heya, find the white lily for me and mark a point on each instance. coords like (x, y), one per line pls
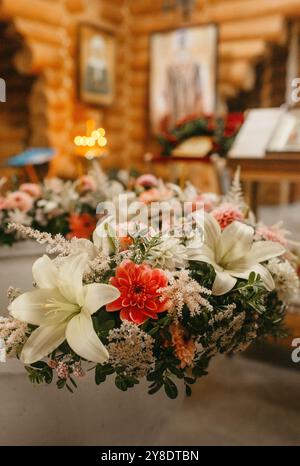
(233, 254)
(62, 307)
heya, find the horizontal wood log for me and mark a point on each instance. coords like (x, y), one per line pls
(272, 28)
(11, 133)
(111, 12)
(10, 149)
(266, 28)
(13, 118)
(139, 80)
(55, 100)
(227, 90)
(140, 61)
(37, 56)
(247, 49)
(138, 133)
(142, 7)
(239, 74)
(75, 6)
(228, 10)
(39, 10)
(39, 31)
(235, 9)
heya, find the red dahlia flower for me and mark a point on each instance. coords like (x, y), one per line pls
(139, 286)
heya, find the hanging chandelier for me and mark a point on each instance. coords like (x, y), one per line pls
(185, 6)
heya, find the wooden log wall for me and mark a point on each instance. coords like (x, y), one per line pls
(14, 131)
(48, 59)
(247, 30)
(48, 31)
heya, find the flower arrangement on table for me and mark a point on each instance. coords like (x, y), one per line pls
(152, 304)
(56, 206)
(222, 132)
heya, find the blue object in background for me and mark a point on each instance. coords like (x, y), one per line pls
(34, 156)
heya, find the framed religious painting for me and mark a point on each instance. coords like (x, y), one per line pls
(183, 75)
(96, 68)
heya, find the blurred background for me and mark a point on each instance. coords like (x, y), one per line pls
(188, 90)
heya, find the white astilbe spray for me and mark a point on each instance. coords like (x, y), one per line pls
(13, 293)
(13, 333)
(96, 269)
(16, 216)
(183, 290)
(168, 254)
(56, 244)
(285, 278)
(224, 314)
(131, 348)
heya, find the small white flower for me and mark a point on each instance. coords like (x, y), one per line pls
(168, 254)
(233, 254)
(16, 216)
(285, 277)
(62, 308)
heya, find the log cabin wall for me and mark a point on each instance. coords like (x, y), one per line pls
(14, 113)
(251, 32)
(48, 29)
(48, 57)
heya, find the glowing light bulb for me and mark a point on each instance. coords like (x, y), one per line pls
(102, 141)
(77, 140)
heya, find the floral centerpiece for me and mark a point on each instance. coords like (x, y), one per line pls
(56, 206)
(152, 301)
(222, 132)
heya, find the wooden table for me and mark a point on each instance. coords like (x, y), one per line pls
(283, 168)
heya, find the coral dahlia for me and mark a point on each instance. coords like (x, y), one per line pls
(140, 287)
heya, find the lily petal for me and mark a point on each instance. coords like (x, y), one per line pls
(31, 306)
(70, 278)
(265, 276)
(42, 342)
(262, 251)
(44, 272)
(223, 283)
(83, 339)
(258, 269)
(203, 254)
(98, 295)
(236, 242)
(212, 231)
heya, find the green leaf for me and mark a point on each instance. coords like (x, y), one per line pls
(170, 388)
(121, 383)
(188, 390)
(155, 387)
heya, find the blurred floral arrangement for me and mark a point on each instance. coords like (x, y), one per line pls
(221, 130)
(56, 206)
(139, 302)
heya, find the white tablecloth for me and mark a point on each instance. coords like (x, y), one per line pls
(15, 267)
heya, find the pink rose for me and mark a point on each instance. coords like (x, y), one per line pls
(19, 200)
(34, 190)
